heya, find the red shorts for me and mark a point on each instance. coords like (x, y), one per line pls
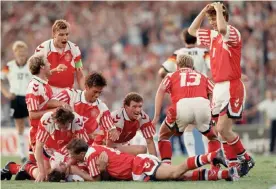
(144, 167)
(228, 98)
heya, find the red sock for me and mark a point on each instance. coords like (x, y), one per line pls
(215, 175)
(196, 175)
(198, 161)
(30, 168)
(14, 168)
(214, 143)
(230, 154)
(165, 149)
(238, 148)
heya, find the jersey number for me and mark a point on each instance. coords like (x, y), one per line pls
(191, 79)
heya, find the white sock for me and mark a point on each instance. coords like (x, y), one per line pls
(189, 142)
(21, 145)
(205, 141)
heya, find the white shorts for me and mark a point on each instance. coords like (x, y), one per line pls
(145, 165)
(228, 97)
(193, 111)
(57, 90)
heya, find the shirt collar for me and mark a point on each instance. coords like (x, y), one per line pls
(40, 80)
(83, 100)
(88, 153)
(53, 48)
(125, 115)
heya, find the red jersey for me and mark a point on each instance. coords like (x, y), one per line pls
(38, 94)
(128, 128)
(187, 83)
(119, 164)
(225, 52)
(54, 138)
(94, 114)
(71, 57)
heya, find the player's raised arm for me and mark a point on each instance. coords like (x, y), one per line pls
(198, 20)
(221, 22)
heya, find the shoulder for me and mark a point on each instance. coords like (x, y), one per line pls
(77, 122)
(47, 122)
(43, 46)
(11, 63)
(74, 48)
(34, 86)
(181, 51)
(101, 105)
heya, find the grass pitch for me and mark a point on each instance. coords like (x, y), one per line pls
(262, 176)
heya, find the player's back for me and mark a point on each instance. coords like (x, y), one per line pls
(187, 83)
(119, 164)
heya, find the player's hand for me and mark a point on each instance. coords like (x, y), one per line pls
(206, 8)
(10, 96)
(102, 161)
(61, 68)
(41, 177)
(218, 6)
(114, 134)
(67, 106)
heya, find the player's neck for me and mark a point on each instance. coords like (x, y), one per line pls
(59, 49)
(189, 46)
(42, 76)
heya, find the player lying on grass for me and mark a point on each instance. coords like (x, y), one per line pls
(55, 130)
(128, 120)
(144, 167)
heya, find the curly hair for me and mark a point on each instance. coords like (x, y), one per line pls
(56, 176)
(63, 115)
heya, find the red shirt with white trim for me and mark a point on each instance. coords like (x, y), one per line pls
(119, 164)
(128, 128)
(96, 113)
(54, 138)
(71, 57)
(225, 52)
(37, 95)
(187, 83)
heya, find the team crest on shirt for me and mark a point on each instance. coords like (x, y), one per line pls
(68, 57)
(95, 112)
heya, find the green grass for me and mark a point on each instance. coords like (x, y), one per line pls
(263, 176)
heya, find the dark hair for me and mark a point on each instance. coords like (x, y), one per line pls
(63, 115)
(212, 12)
(56, 176)
(132, 96)
(189, 39)
(35, 63)
(77, 146)
(95, 79)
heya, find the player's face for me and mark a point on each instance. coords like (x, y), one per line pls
(91, 94)
(134, 110)
(21, 56)
(47, 68)
(61, 38)
(77, 157)
(213, 21)
(63, 127)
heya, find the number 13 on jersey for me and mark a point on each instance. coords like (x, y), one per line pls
(189, 79)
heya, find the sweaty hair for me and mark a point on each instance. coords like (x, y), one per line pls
(35, 63)
(212, 12)
(56, 176)
(77, 146)
(132, 96)
(18, 45)
(95, 79)
(63, 115)
(185, 61)
(189, 39)
(60, 25)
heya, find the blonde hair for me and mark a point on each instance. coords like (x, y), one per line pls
(35, 63)
(60, 25)
(185, 61)
(18, 45)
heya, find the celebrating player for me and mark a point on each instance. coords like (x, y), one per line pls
(190, 105)
(225, 46)
(202, 65)
(18, 74)
(60, 51)
(128, 121)
(87, 104)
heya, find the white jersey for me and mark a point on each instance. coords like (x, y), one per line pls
(18, 77)
(199, 55)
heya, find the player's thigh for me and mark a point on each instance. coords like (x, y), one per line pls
(166, 172)
(133, 149)
(202, 113)
(220, 97)
(184, 114)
